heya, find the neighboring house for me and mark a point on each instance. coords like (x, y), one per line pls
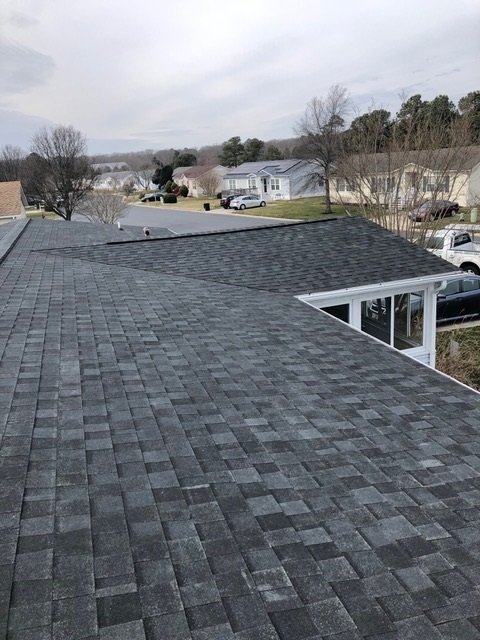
(406, 178)
(108, 167)
(179, 171)
(116, 180)
(13, 201)
(201, 180)
(274, 179)
(189, 451)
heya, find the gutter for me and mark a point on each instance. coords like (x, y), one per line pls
(10, 239)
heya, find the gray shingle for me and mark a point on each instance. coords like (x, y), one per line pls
(187, 452)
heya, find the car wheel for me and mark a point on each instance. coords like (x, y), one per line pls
(242, 207)
(263, 203)
(470, 268)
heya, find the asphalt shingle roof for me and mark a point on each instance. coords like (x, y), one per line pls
(273, 167)
(184, 459)
(293, 258)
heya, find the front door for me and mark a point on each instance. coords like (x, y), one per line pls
(264, 184)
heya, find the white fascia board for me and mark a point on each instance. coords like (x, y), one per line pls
(266, 172)
(388, 288)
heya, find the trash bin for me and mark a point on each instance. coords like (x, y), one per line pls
(206, 206)
(473, 215)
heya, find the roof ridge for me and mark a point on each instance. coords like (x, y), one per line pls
(232, 231)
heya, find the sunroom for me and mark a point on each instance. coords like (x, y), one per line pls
(401, 314)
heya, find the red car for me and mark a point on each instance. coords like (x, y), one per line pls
(433, 209)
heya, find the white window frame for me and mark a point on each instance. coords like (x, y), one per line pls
(252, 183)
(436, 183)
(354, 297)
(232, 183)
(275, 184)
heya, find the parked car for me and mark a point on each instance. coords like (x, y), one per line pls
(433, 209)
(152, 197)
(246, 202)
(225, 202)
(35, 201)
(458, 302)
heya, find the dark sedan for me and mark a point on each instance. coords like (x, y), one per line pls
(434, 209)
(459, 301)
(225, 202)
(152, 197)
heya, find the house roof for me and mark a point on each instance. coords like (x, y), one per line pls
(179, 171)
(200, 170)
(110, 165)
(12, 199)
(272, 167)
(455, 159)
(186, 458)
(114, 175)
(293, 258)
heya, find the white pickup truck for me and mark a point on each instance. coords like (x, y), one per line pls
(456, 244)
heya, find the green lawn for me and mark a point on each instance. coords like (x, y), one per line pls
(39, 213)
(302, 209)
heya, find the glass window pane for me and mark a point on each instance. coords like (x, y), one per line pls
(451, 288)
(408, 320)
(470, 284)
(340, 311)
(376, 318)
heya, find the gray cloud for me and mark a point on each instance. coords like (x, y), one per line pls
(127, 87)
(21, 19)
(18, 128)
(22, 68)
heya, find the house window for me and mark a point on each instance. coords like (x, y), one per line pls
(232, 184)
(339, 311)
(252, 183)
(382, 185)
(275, 184)
(346, 185)
(434, 184)
(396, 320)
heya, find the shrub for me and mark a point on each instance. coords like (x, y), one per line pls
(169, 198)
(463, 365)
(168, 186)
(183, 191)
(219, 195)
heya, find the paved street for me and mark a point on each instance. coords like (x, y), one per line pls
(191, 221)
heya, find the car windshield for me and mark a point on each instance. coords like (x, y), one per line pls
(426, 205)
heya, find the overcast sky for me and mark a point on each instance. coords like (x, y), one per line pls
(151, 75)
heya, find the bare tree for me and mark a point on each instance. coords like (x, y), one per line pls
(128, 187)
(208, 155)
(142, 168)
(104, 207)
(210, 182)
(418, 163)
(11, 163)
(320, 130)
(62, 172)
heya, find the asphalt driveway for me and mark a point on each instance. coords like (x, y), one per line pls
(191, 221)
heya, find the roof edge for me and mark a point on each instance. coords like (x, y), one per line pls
(293, 223)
